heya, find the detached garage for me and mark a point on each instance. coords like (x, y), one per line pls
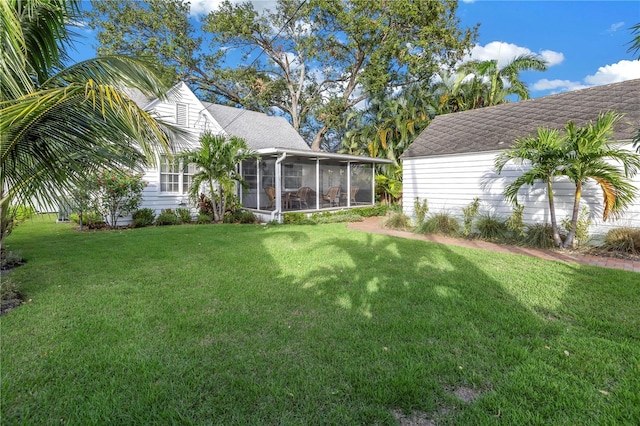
(452, 161)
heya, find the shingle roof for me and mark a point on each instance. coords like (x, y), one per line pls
(495, 128)
(258, 129)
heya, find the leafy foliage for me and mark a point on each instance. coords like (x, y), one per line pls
(217, 159)
(539, 235)
(440, 223)
(59, 124)
(491, 228)
(143, 217)
(167, 217)
(420, 208)
(469, 214)
(325, 58)
(625, 240)
(582, 235)
(184, 215)
(117, 193)
(398, 221)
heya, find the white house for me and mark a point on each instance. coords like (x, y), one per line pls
(286, 170)
(452, 161)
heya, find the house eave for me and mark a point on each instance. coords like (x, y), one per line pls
(322, 155)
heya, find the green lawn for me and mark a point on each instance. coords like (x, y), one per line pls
(242, 324)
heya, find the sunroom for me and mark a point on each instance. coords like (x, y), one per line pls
(285, 180)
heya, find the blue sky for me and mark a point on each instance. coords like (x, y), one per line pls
(585, 42)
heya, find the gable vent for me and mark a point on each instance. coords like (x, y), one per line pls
(181, 114)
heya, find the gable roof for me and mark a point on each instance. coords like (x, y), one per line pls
(258, 129)
(497, 127)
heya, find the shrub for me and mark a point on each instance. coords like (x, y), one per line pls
(338, 218)
(184, 215)
(22, 213)
(515, 224)
(247, 217)
(440, 223)
(398, 221)
(204, 219)
(167, 217)
(369, 211)
(624, 240)
(539, 235)
(10, 259)
(420, 208)
(143, 217)
(296, 219)
(470, 212)
(582, 226)
(491, 228)
(118, 193)
(90, 218)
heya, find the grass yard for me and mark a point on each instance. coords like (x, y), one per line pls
(242, 324)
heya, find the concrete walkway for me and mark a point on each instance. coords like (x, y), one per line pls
(374, 225)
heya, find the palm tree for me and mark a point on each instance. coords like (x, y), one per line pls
(589, 156)
(59, 125)
(503, 81)
(545, 157)
(217, 160)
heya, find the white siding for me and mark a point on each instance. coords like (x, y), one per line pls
(198, 120)
(451, 182)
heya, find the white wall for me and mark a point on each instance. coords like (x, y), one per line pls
(451, 182)
(198, 121)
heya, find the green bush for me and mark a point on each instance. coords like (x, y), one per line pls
(339, 218)
(184, 215)
(398, 221)
(167, 217)
(440, 223)
(582, 226)
(204, 218)
(143, 217)
(10, 296)
(239, 216)
(296, 219)
(539, 235)
(469, 213)
(624, 240)
(22, 213)
(514, 223)
(420, 209)
(491, 228)
(91, 219)
(369, 211)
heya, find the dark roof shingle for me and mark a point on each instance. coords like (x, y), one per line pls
(494, 128)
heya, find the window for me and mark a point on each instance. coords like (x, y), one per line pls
(181, 114)
(175, 177)
(292, 176)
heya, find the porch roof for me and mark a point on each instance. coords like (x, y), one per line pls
(322, 155)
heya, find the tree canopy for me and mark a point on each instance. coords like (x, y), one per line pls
(311, 60)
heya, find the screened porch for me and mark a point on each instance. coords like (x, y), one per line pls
(283, 181)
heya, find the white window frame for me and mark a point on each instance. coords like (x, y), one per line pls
(177, 169)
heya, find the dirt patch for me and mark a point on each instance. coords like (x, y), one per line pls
(417, 418)
(466, 394)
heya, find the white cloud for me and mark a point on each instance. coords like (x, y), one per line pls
(203, 7)
(505, 52)
(552, 58)
(615, 27)
(614, 73)
(557, 85)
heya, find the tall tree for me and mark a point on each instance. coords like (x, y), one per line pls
(57, 124)
(544, 156)
(312, 60)
(503, 81)
(589, 155)
(217, 160)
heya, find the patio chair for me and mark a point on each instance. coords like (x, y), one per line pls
(332, 197)
(354, 191)
(271, 195)
(300, 197)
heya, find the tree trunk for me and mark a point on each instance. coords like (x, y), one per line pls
(568, 243)
(552, 214)
(213, 202)
(315, 145)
